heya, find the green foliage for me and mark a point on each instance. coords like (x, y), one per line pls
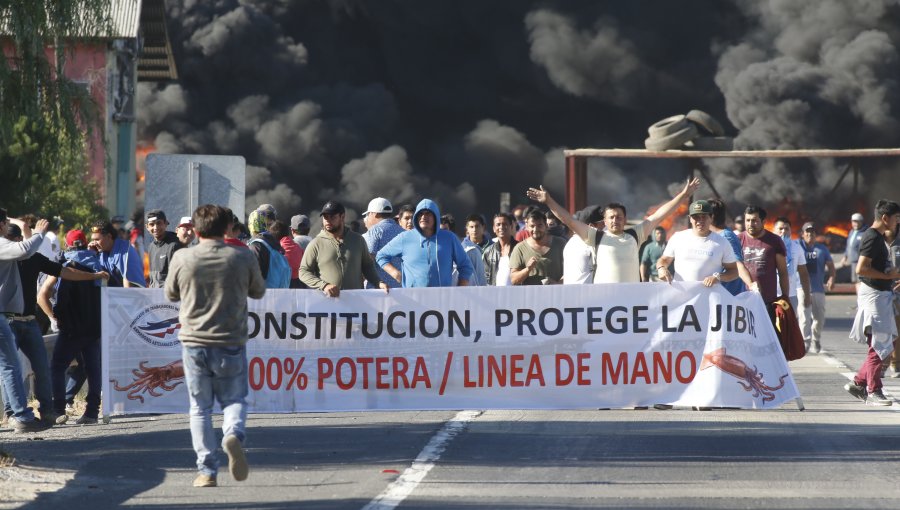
(46, 118)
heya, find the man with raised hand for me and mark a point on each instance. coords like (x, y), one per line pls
(616, 248)
(213, 281)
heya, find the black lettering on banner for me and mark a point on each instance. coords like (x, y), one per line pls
(317, 333)
(254, 320)
(574, 313)
(348, 318)
(542, 323)
(526, 317)
(618, 324)
(423, 324)
(502, 318)
(379, 322)
(390, 324)
(279, 324)
(455, 321)
(298, 322)
(593, 313)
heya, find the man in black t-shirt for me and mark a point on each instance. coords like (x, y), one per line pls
(26, 329)
(874, 322)
(161, 249)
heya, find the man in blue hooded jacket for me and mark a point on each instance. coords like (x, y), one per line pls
(427, 252)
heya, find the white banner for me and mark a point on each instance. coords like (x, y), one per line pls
(555, 347)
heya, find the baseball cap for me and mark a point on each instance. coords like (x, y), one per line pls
(857, 217)
(117, 219)
(300, 220)
(808, 226)
(332, 207)
(156, 215)
(267, 210)
(75, 237)
(591, 214)
(185, 220)
(700, 207)
(379, 205)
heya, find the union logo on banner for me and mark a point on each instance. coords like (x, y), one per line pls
(158, 325)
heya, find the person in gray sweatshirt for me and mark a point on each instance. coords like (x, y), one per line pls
(213, 281)
(12, 303)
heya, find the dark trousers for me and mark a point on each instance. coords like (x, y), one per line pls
(68, 346)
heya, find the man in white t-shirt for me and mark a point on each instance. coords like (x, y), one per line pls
(798, 276)
(578, 257)
(616, 247)
(700, 255)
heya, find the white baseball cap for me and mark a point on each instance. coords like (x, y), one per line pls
(379, 206)
(857, 217)
(185, 220)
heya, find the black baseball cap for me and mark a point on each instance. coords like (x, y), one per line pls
(332, 207)
(156, 215)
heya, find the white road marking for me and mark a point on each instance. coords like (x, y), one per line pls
(403, 486)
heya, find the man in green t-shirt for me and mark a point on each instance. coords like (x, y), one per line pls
(538, 260)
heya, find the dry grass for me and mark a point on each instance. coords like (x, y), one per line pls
(6, 459)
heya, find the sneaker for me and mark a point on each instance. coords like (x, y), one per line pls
(50, 417)
(28, 426)
(237, 462)
(204, 480)
(856, 390)
(86, 420)
(70, 409)
(877, 398)
(62, 419)
(895, 373)
(815, 347)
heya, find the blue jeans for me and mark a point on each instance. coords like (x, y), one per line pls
(215, 373)
(11, 374)
(76, 375)
(31, 343)
(68, 346)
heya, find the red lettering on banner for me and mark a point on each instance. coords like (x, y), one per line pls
(636, 370)
(380, 373)
(535, 372)
(400, 368)
(620, 369)
(420, 373)
(501, 371)
(387, 373)
(583, 368)
(565, 360)
(693, 370)
(570, 369)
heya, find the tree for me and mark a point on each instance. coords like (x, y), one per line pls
(47, 119)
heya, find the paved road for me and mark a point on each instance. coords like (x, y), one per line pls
(838, 453)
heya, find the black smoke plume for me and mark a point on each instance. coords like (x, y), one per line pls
(462, 100)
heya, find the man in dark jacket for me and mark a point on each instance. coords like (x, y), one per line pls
(77, 311)
(160, 251)
(496, 255)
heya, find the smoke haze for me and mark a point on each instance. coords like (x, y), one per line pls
(462, 100)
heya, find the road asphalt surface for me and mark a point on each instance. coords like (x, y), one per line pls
(839, 453)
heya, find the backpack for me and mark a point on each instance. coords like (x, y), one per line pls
(279, 275)
(630, 231)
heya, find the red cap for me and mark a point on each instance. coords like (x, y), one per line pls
(75, 236)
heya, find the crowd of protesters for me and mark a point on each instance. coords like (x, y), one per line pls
(50, 286)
